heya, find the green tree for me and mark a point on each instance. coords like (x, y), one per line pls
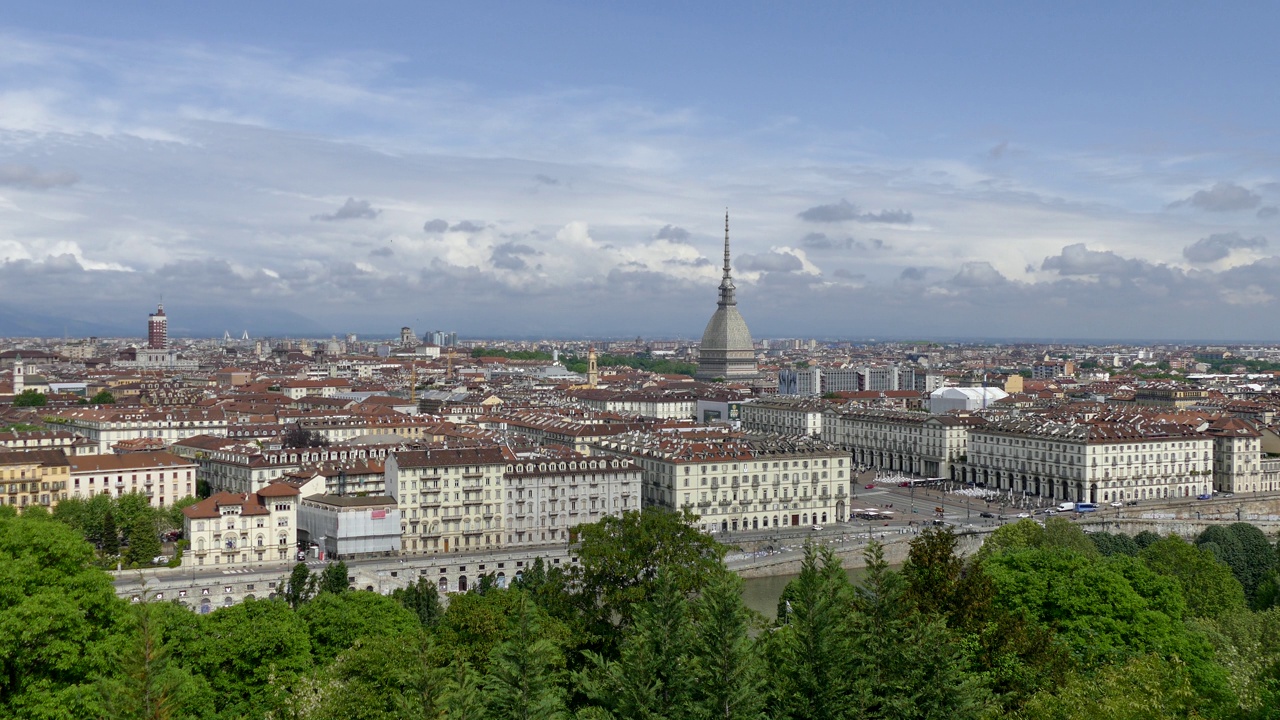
(57, 615)
(1247, 644)
(1245, 549)
(254, 655)
(389, 677)
(905, 663)
(523, 680)
(172, 516)
(652, 677)
(103, 397)
(299, 587)
(1022, 535)
(110, 535)
(1114, 543)
(422, 599)
(1061, 533)
(333, 579)
(462, 697)
(30, 398)
(727, 666)
(620, 558)
(1208, 586)
(335, 621)
(144, 542)
(1143, 688)
(809, 650)
(144, 683)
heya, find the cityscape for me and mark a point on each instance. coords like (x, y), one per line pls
(517, 377)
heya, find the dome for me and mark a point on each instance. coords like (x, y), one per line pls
(727, 331)
(727, 351)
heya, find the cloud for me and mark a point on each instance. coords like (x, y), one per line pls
(1268, 211)
(845, 211)
(466, 226)
(673, 233)
(382, 252)
(1078, 259)
(1218, 246)
(1222, 197)
(352, 209)
(546, 179)
(435, 226)
(820, 241)
(912, 274)
(510, 256)
(27, 176)
(978, 274)
(770, 262)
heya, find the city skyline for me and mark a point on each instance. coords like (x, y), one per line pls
(504, 170)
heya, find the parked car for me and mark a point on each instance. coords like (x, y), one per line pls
(817, 527)
(160, 560)
(869, 486)
(1227, 495)
(986, 514)
(1132, 502)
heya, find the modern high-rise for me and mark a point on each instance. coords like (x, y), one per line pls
(158, 330)
(727, 352)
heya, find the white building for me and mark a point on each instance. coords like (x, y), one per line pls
(350, 527)
(964, 399)
(783, 416)
(239, 530)
(909, 442)
(107, 426)
(163, 477)
(735, 482)
(547, 493)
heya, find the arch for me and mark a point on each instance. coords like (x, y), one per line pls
(462, 583)
(444, 585)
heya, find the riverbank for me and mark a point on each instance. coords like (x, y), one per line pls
(849, 549)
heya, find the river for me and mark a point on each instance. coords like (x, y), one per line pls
(761, 594)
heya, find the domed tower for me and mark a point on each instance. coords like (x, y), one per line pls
(727, 351)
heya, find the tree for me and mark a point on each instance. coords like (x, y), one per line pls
(1022, 535)
(333, 579)
(1208, 586)
(422, 599)
(144, 542)
(651, 678)
(1061, 533)
(523, 678)
(145, 684)
(58, 614)
(103, 397)
(728, 670)
(620, 558)
(337, 621)
(110, 535)
(30, 398)
(1245, 549)
(809, 650)
(298, 437)
(299, 587)
(389, 677)
(1114, 543)
(1143, 687)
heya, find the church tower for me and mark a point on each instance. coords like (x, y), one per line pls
(727, 352)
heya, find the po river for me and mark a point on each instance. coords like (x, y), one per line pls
(761, 594)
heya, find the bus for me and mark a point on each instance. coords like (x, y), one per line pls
(1086, 507)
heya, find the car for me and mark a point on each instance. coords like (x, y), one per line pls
(986, 514)
(904, 484)
(1204, 497)
(1050, 511)
(1227, 495)
(1116, 503)
(1132, 502)
(817, 527)
(869, 486)
(1024, 515)
(302, 555)
(160, 560)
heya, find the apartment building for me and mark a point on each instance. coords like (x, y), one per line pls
(242, 529)
(1237, 456)
(33, 477)
(737, 482)
(549, 492)
(163, 477)
(909, 442)
(783, 416)
(1094, 460)
(450, 498)
(106, 427)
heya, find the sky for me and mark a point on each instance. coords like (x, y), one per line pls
(555, 169)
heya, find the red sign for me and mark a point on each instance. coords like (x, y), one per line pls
(377, 514)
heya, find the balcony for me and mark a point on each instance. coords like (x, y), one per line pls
(473, 501)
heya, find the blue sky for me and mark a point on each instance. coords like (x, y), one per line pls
(1012, 170)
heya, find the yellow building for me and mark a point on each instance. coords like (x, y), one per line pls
(34, 477)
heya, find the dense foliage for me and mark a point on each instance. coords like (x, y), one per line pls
(1044, 622)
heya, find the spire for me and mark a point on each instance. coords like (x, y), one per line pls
(726, 282)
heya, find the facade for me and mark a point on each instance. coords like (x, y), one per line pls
(1100, 460)
(909, 442)
(349, 527)
(735, 482)
(33, 477)
(163, 477)
(783, 416)
(550, 492)
(450, 498)
(726, 351)
(964, 399)
(1237, 456)
(242, 529)
(247, 468)
(106, 427)
(157, 330)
